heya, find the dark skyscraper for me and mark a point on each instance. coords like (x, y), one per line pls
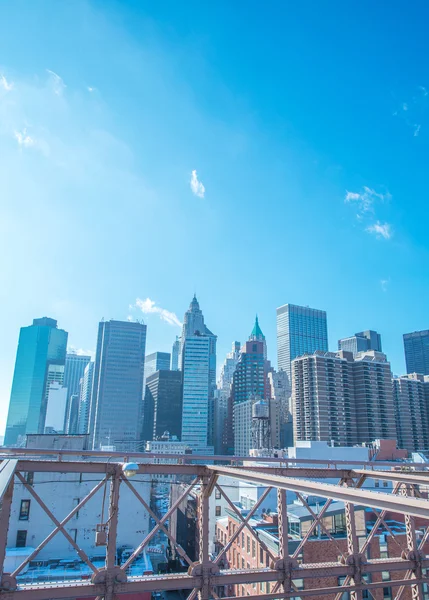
(39, 362)
(163, 405)
(157, 361)
(416, 346)
(117, 397)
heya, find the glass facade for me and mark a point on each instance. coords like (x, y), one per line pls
(40, 361)
(196, 392)
(117, 396)
(163, 405)
(360, 342)
(157, 361)
(416, 346)
(300, 330)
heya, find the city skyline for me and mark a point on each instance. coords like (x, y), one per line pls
(153, 347)
(199, 140)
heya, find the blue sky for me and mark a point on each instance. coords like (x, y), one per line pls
(307, 124)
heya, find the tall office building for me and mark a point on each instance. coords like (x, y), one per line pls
(223, 393)
(85, 398)
(416, 346)
(249, 384)
(175, 352)
(361, 342)
(201, 355)
(39, 362)
(157, 361)
(340, 398)
(117, 395)
(72, 414)
(162, 405)
(280, 402)
(196, 394)
(73, 373)
(411, 398)
(300, 330)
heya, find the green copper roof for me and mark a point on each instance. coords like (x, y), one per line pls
(257, 331)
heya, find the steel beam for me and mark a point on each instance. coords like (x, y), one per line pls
(415, 507)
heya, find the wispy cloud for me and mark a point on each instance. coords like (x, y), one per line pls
(413, 112)
(24, 139)
(384, 283)
(5, 84)
(366, 198)
(91, 89)
(148, 306)
(197, 186)
(58, 84)
(381, 230)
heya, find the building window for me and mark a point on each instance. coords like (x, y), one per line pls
(253, 549)
(385, 483)
(218, 510)
(24, 511)
(243, 564)
(376, 483)
(261, 556)
(76, 503)
(248, 545)
(242, 540)
(30, 477)
(21, 538)
(217, 494)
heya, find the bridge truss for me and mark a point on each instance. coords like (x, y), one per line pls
(211, 578)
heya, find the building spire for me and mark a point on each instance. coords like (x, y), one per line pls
(257, 331)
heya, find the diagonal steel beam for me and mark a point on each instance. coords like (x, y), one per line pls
(244, 521)
(320, 522)
(53, 518)
(157, 521)
(7, 470)
(57, 529)
(415, 507)
(150, 535)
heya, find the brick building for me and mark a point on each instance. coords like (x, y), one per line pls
(247, 552)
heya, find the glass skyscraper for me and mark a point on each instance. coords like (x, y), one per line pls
(175, 352)
(39, 362)
(117, 396)
(85, 398)
(198, 360)
(157, 361)
(73, 373)
(300, 330)
(416, 346)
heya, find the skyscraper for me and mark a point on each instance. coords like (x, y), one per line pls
(39, 362)
(411, 398)
(341, 398)
(416, 346)
(117, 396)
(300, 329)
(360, 342)
(157, 361)
(175, 352)
(223, 392)
(197, 393)
(73, 373)
(249, 385)
(85, 398)
(163, 405)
